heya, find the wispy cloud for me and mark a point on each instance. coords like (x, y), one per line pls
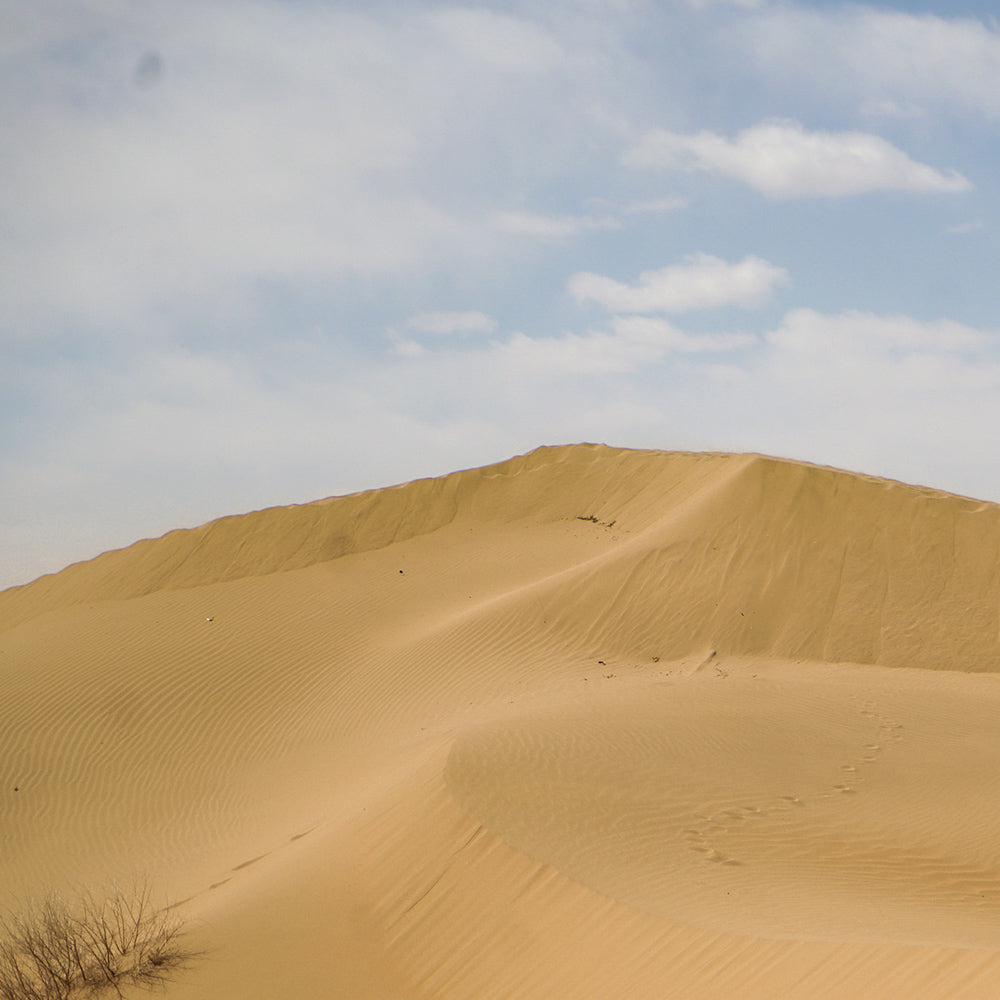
(486, 37)
(701, 282)
(964, 228)
(292, 144)
(470, 321)
(557, 227)
(632, 343)
(888, 109)
(653, 330)
(854, 333)
(784, 160)
(438, 324)
(899, 59)
(655, 205)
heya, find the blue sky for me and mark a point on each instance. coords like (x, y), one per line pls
(257, 253)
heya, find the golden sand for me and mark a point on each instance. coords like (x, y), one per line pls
(590, 723)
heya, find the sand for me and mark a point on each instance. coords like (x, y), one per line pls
(590, 723)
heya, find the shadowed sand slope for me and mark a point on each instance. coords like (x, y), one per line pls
(588, 723)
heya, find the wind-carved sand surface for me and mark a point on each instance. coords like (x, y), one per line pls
(590, 723)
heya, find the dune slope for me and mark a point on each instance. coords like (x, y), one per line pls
(587, 723)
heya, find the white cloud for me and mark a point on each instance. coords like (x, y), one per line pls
(912, 399)
(647, 206)
(470, 321)
(577, 354)
(557, 227)
(304, 144)
(908, 61)
(964, 228)
(783, 160)
(702, 282)
(406, 347)
(659, 333)
(491, 38)
(274, 156)
(854, 332)
(634, 342)
(438, 324)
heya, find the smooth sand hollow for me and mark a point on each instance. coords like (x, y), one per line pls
(590, 723)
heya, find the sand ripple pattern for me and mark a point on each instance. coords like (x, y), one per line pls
(653, 799)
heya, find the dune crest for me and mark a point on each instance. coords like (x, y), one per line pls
(588, 722)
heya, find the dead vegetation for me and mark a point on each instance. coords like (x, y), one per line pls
(96, 946)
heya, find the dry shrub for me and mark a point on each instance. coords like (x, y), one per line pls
(61, 952)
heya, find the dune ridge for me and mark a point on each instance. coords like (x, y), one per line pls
(283, 538)
(588, 722)
(815, 562)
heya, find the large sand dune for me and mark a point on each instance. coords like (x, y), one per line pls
(590, 723)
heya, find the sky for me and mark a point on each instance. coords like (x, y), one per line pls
(259, 252)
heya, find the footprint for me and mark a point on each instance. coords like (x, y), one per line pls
(846, 789)
(246, 864)
(721, 859)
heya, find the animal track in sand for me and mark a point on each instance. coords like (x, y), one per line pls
(701, 836)
(870, 752)
(251, 861)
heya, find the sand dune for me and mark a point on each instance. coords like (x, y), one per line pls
(588, 723)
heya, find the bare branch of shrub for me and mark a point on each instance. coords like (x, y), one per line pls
(62, 952)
